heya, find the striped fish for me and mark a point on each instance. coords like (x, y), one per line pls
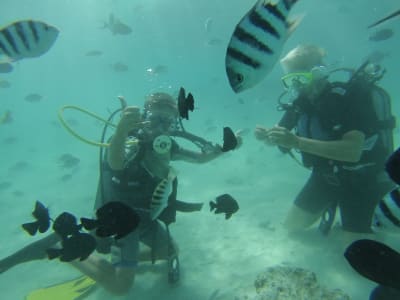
(163, 190)
(257, 43)
(387, 213)
(25, 39)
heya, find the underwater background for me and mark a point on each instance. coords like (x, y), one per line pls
(173, 43)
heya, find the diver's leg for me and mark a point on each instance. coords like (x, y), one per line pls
(298, 219)
(34, 251)
(310, 203)
(116, 280)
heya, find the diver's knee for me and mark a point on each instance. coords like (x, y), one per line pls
(299, 219)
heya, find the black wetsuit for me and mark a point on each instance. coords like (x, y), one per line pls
(355, 187)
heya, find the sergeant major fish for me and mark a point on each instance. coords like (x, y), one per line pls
(159, 201)
(257, 42)
(26, 39)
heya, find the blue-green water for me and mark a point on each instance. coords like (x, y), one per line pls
(188, 39)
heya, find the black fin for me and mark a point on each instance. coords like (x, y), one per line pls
(230, 141)
(31, 228)
(185, 104)
(89, 224)
(213, 205)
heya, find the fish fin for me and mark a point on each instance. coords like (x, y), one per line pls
(293, 24)
(31, 228)
(213, 205)
(88, 224)
(227, 216)
(53, 253)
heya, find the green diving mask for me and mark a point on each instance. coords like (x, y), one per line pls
(298, 80)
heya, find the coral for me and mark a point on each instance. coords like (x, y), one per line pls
(288, 283)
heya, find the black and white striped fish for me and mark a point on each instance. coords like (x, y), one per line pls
(387, 213)
(257, 42)
(163, 190)
(26, 39)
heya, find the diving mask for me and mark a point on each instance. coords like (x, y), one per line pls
(161, 122)
(298, 80)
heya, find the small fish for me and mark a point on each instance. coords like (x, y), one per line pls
(6, 118)
(387, 213)
(4, 84)
(113, 219)
(5, 185)
(224, 204)
(381, 35)
(161, 193)
(230, 140)
(68, 161)
(66, 225)
(26, 39)
(185, 103)
(42, 223)
(6, 67)
(79, 245)
(392, 166)
(33, 97)
(116, 26)
(257, 42)
(120, 67)
(94, 53)
(395, 14)
(375, 261)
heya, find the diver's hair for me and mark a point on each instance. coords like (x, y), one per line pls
(160, 100)
(303, 58)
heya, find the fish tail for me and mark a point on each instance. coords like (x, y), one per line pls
(213, 205)
(31, 228)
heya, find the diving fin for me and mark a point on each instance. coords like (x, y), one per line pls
(76, 289)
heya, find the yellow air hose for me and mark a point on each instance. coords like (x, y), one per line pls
(81, 138)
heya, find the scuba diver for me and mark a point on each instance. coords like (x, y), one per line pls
(135, 170)
(342, 138)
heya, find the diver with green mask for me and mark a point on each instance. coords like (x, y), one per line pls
(337, 131)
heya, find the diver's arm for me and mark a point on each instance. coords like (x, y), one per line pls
(116, 151)
(130, 119)
(197, 157)
(348, 148)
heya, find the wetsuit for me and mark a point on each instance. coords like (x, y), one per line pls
(355, 187)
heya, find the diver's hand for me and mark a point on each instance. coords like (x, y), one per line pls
(261, 134)
(281, 136)
(239, 138)
(130, 119)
